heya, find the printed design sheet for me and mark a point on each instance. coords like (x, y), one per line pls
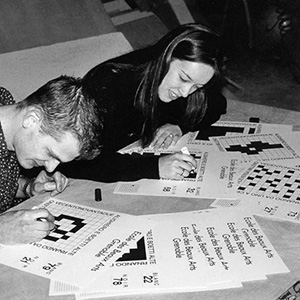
(265, 147)
(270, 181)
(266, 189)
(86, 241)
(266, 208)
(227, 128)
(190, 251)
(215, 177)
(274, 209)
(194, 140)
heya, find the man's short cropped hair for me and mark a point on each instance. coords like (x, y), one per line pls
(65, 108)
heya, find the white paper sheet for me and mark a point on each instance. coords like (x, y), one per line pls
(200, 140)
(200, 250)
(257, 147)
(86, 242)
(268, 189)
(230, 128)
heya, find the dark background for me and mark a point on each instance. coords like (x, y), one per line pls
(261, 42)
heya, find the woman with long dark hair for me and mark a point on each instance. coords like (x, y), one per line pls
(154, 95)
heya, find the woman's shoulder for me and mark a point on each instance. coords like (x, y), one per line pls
(109, 72)
(111, 84)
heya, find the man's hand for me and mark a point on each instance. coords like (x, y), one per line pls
(25, 226)
(44, 182)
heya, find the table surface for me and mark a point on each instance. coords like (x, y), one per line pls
(24, 71)
(285, 236)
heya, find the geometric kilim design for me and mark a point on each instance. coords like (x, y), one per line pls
(214, 130)
(272, 181)
(73, 226)
(256, 147)
(138, 253)
(253, 147)
(62, 231)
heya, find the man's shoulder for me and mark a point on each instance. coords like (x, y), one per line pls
(6, 97)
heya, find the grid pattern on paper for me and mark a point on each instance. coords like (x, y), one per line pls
(256, 147)
(282, 183)
(225, 129)
(72, 226)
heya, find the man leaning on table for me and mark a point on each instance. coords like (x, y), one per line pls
(53, 125)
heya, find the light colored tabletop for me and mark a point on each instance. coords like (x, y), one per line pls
(24, 71)
(242, 111)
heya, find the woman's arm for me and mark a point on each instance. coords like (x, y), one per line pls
(108, 167)
(112, 167)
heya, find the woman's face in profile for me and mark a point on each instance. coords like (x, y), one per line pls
(183, 78)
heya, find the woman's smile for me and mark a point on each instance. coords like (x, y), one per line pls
(184, 78)
(173, 95)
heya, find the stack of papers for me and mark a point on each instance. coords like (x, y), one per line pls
(190, 251)
(85, 239)
(250, 164)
